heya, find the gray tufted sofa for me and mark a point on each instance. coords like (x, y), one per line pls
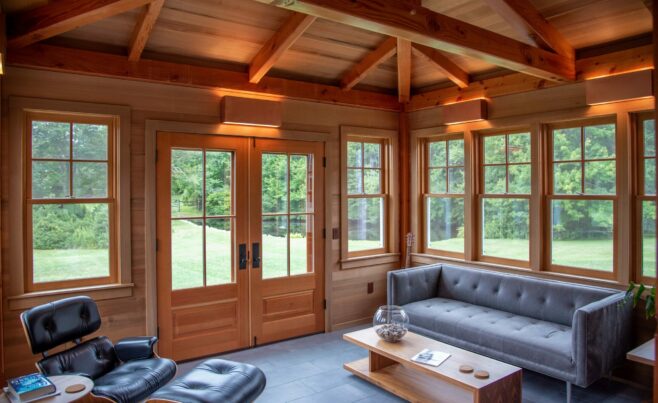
(567, 331)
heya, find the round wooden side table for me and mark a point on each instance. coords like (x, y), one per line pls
(62, 382)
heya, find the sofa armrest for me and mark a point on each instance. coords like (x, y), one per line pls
(601, 337)
(411, 285)
(135, 348)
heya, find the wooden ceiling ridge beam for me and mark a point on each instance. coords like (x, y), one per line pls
(93, 63)
(276, 46)
(524, 17)
(359, 71)
(143, 29)
(455, 73)
(58, 17)
(404, 70)
(410, 21)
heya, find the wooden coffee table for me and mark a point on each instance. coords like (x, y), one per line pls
(389, 366)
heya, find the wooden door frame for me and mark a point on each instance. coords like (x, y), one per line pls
(325, 135)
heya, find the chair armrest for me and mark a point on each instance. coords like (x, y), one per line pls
(411, 285)
(601, 337)
(135, 348)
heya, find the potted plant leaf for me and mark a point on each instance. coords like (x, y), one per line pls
(635, 292)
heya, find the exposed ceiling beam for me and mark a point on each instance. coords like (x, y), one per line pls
(56, 58)
(384, 51)
(143, 29)
(528, 21)
(276, 46)
(417, 24)
(58, 17)
(404, 70)
(447, 66)
(648, 4)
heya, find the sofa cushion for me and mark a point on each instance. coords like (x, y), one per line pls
(514, 336)
(551, 301)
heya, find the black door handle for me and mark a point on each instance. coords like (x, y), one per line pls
(242, 250)
(255, 250)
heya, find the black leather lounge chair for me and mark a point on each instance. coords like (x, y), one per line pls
(126, 372)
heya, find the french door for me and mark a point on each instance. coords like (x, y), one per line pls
(239, 251)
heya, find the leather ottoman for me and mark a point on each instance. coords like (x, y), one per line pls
(214, 381)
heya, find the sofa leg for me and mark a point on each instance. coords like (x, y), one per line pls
(568, 392)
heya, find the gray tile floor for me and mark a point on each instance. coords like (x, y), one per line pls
(309, 369)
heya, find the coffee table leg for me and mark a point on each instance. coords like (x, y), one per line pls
(505, 390)
(378, 361)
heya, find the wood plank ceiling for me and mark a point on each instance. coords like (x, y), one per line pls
(264, 40)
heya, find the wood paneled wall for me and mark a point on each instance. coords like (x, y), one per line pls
(124, 317)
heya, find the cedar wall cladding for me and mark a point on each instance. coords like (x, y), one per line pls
(126, 316)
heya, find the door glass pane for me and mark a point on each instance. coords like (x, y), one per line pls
(600, 178)
(506, 230)
(445, 224)
(650, 176)
(50, 140)
(70, 241)
(566, 144)
(274, 253)
(372, 155)
(301, 244)
(90, 179)
(275, 183)
(186, 254)
(494, 179)
(372, 181)
(365, 223)
(218, 183)
(50, 179)
(299, 191)
(219, 257)
(89, 142)
(582, 234)
(649, 238)
(186, 183)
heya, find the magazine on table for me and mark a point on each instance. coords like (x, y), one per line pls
(429, 357)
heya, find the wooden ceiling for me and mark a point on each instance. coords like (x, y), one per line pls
(231, 33)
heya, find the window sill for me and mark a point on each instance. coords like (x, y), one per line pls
(98, 293)
(370, 260)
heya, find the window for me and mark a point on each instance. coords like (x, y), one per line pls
(647, 194)
(444, 196)
(366, 196)
(505, 173)
(583, 197)
(70, 201)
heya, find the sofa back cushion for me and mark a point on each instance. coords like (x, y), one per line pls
(546, 300)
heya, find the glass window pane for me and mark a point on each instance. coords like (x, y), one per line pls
(301, 245)
(274, 183)
(600, 141)
(438, 154)
(519, 179)
(219, 258)
(354, 154)
(218, 182)
(186, 183)
(494, 179)
(649, 238)
(438, 180)
(494, 149)
(186, 254)
(566, 144)
(650, 176)
(50, 140)
(456, 152)
(50, 179)
(518, 147)
(70, 241)
(456, 180)
(365, 223)
(90, 141)
(274, 253)
(567, 178)
(90, 179)
(649, 137)
(600, 178)
(299, 173)
(372, 155)
(506, 228)
(354, 179)
(582, 234)
(445, 224)
(373, 182)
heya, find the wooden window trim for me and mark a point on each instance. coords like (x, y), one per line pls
(640, 196)
(120, 285)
